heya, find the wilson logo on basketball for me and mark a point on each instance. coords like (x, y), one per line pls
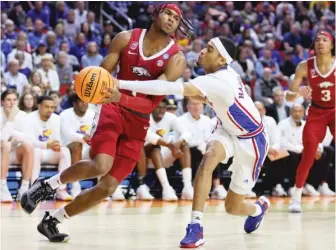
(140, 71)
(88, 87)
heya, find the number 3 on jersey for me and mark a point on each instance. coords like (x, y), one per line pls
(326, 95)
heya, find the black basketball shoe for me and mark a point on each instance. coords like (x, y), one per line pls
(48, 227)
(39, 191)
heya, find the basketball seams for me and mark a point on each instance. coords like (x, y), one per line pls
(82, 84)
(97, 83)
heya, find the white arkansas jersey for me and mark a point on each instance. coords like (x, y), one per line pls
(235, 110)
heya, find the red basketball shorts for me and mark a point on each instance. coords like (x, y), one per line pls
(121, 134)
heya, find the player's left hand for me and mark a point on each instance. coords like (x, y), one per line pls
(111, 95)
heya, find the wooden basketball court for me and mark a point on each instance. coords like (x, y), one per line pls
(161, 225)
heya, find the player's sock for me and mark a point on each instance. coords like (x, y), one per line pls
(141, 180)
(196, 217)
(258, 210)
(162, 175)
(54, 182)
(297, 193)
(186, 177)
(61, 215)
(24, 184)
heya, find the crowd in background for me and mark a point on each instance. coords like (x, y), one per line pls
(44, 44)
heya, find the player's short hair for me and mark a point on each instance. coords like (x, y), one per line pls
(229, 46)
(54, 92)
(9, 92)
(43, 98)
(74, 98)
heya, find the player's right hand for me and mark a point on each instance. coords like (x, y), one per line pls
(305, 91)
(54, 145)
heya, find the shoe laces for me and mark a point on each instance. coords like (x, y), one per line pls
(39, 192)
(52, 223)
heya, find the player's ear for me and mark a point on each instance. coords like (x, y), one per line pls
(222, 61)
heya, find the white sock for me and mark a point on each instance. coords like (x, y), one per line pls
(60, 215)
(186, 177)
(3, 182)
(196, 217)
(24, 184)
(297, 193)
(54, 181)
(258, 210)
(162, 175)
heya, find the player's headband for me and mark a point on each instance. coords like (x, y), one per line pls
(221, 49)
(174, 7)
(325, 33)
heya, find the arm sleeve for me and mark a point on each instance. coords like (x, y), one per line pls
(155, 87)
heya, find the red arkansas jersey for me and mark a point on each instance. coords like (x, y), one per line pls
(135, 66)
(323, 86)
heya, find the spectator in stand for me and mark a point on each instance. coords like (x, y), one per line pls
(94, 26)
(92, 57)
(49, 75)
(192, 56)
(36, 92)
(35, 78)
(235, 22)
(72, 60)
(13, 78)
(20, 46)
(15, 148)
(306, 34)
(284, 27)
(51, 42)
(244, 66)
(270, 45)
(105, 44)
(28, 27)
(278, 109)
(37, 13)
(292, 38)
(78, 49)
(89, 34)
(6, 46)
(264, 86)
(20, 56)
(80, 13)
(284, 9)
(59, 14)
(300, 54)
(40, 51)
(248, 14)
(66, 100)
(60, 35)
(70, 26)
(22, 36)
(108, 28)
(18, 15)
(10, 33)
(3, 62)
(64, 69)
(267, 61)
(288, 67)
(27, 103)
(56, 96)
(37, 36)
(4, 18)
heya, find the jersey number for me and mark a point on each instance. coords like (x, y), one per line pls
(326, 95)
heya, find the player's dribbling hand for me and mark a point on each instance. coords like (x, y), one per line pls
(305, 91)
(111, 95)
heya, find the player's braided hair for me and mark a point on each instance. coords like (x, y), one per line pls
(185, 25)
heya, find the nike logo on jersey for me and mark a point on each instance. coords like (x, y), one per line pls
(132, 53)
(140, 71)
(326, 84)
(145, 127)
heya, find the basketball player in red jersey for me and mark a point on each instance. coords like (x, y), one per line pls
(321, 72)
(120, 127)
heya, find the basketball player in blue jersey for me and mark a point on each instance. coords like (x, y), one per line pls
(239, 133)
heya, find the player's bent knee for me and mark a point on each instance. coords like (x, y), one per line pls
(6, 147)
(27, 148)
(108, 185)
(103, 164)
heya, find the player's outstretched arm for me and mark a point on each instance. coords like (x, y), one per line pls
(294, 89)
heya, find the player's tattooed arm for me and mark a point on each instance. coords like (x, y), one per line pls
(294, 89)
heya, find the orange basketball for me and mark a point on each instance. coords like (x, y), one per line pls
(91, 84)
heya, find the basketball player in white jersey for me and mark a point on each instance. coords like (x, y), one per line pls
(75, 133)
(239, 133)
(44, 130)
